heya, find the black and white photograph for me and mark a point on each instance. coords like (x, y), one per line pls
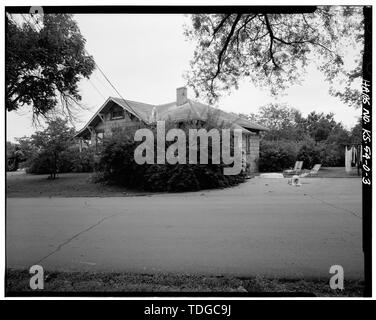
(188, 151)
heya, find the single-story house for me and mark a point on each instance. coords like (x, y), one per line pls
(116, 112)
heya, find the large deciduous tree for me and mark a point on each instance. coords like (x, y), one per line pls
(273, 50)
(45, 63)
(45, 149)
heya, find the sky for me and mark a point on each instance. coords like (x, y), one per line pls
(145, 57)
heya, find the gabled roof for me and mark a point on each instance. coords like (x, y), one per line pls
(138, 109)
(192, 110)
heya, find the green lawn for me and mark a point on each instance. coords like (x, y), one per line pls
(17, 281)
(20, 184)
(66, 185)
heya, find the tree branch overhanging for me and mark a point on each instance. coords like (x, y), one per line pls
(225, 45)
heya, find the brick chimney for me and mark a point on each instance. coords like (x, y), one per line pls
(181, 96)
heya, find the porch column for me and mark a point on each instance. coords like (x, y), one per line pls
(80, 144)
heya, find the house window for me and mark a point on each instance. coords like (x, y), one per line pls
(131, 116)
(100, 136)
(117, 113)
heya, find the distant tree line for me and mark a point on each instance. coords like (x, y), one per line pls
(50, 151)
(316, 138)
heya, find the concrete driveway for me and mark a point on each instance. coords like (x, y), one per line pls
(263, 227)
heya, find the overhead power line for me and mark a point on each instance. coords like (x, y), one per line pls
(96, 65)
(119, 94)
(96, 89)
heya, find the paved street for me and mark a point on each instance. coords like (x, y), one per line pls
(263, 227)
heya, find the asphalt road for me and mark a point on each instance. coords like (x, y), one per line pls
(263, 227)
